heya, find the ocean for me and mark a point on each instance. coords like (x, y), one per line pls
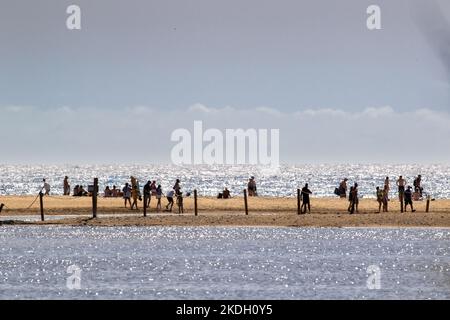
(238, 263)
(209, 180)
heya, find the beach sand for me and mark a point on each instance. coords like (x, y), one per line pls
(325, 212)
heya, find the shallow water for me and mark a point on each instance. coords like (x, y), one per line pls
(210, 179)
(223, 263)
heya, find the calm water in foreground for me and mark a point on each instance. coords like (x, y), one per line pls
(222, 263)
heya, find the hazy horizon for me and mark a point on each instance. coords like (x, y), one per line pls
(138, 70)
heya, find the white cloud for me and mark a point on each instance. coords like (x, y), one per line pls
(142, 134)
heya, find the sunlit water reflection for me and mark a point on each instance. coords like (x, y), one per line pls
(223, 262)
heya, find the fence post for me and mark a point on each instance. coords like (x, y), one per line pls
(298, 201)
(195, 202)
(41, 202)
(428, 204)
(94, 198)
(245, 202)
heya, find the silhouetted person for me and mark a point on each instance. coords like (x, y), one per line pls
(379, 198)
(305, 199)
(226, 193)
(147, 194)
(355, 200)
(66, 186)
(408, 199)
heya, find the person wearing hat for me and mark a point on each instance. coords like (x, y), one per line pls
(251, 187)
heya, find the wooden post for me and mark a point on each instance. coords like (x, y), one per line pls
(400, 197)
(145, 204)
(195, 202)
(41, 201)
(298, 201)
(428, 204)
(1, 207)
(245, 202)
(94, 198)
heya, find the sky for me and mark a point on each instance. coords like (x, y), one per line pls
(115, 90)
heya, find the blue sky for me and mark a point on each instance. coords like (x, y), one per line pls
(167, 56)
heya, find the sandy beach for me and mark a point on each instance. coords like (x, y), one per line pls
(326, 212)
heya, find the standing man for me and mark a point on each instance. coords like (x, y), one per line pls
(355, 200)
(408, 199)
(177, 187)
(66, 186)
(305, 197)
(387, 187)
(401, 183)
(147, 194)
(46, 188)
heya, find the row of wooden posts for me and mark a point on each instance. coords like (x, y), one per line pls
(95, 194)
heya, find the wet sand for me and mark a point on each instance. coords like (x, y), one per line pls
(325, 212)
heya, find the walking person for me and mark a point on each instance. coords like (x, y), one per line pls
(305, 199)
(408, 199)
(66, 186)
(169, 197)
(127, 194)
(147, 194)
(46, 187)
(135, 196)
(379, 198)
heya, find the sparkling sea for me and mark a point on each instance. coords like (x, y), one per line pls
(54, 262)
(209, 180)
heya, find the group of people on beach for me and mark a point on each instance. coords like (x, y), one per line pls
(151, 189)
(405, 193)
(131, 193)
